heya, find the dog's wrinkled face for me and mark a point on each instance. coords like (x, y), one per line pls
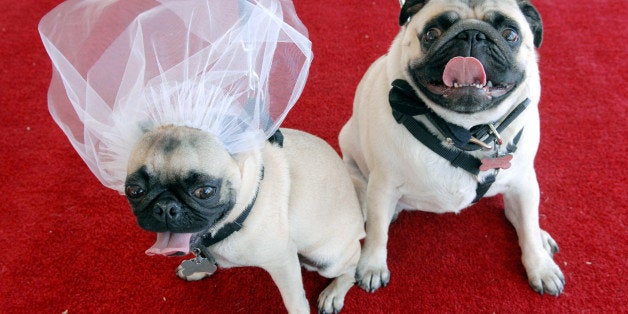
(468, 56)
(181, 181)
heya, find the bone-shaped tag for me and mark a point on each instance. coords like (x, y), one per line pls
(502, 162)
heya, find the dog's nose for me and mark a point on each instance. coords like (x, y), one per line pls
(166, 210)
(473, 35)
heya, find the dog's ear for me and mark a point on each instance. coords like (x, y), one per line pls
(534, 19)
(409, 8)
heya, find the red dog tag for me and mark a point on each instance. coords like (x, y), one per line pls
(502, 162)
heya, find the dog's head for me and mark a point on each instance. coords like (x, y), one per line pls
(469, 56)
(181, 181)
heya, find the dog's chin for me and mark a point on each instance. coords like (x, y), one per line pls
(466, 99)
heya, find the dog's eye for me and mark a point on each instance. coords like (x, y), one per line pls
(134, 191)
(510, 35)
(431, 34)
(205, 192)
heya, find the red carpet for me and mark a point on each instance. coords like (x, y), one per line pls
(68, 243)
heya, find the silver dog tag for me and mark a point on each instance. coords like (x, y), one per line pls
(196, 269)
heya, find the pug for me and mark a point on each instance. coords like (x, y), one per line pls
(273, 208)
(448, 116)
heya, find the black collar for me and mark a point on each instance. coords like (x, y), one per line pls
(204, 240)
(404, 100)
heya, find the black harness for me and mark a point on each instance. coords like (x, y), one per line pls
(406, 105)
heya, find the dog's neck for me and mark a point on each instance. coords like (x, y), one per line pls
(201, 242)
(252, 173)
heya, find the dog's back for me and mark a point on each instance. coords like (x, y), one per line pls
(326, 229)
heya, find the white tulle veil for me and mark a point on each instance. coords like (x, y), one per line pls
(233, 68)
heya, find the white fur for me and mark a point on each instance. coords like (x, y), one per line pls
(298, 210)
(393, 171)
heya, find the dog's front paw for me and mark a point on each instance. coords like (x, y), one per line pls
(332, 299)
(547, 278)
(372, 277)
(329, 302)
(543, 273)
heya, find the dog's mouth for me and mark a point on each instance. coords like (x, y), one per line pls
(464, 77)
(170, 244)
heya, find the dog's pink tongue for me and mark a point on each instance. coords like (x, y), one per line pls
(464, 71)
(169, 244)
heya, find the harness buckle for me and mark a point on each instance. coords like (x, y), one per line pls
(480, 143)
(497, 136)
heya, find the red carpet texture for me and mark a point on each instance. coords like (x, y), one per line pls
(69, 244)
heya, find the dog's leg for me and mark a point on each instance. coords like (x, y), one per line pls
(287, 277)
(372, 271)
(332, 299)
(359, 182)
(348, 145)
(537, 246)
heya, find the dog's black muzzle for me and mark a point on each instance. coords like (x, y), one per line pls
(469, 39)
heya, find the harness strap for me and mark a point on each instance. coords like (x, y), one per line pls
(457, 158)
(406, 104)
(483, 187)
